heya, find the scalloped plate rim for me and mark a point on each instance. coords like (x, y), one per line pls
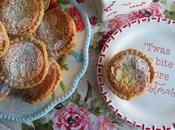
(75, 81)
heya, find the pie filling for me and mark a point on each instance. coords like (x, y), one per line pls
(131, 70)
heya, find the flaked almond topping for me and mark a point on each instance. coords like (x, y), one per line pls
(131, 70)
(117, 73)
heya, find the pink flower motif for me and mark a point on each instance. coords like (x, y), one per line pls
(153, 10)
(117, 22)
(105, 123)
(71, 117)
(93, 20)
(103, 40)
(72, 11)
(137, 15)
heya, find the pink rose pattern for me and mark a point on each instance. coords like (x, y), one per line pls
(153, 10)
(73, 117)
(117, 22)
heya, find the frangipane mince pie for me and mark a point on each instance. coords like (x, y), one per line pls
(25, 64)
(46, 87)
(58, 31)
(130, 73)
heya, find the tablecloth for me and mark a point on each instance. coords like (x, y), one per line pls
(86, 109)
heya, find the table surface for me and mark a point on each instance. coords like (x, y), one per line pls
(86, 102)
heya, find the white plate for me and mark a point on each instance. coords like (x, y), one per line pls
(155, 110)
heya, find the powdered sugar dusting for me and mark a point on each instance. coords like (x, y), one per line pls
(137, 66)
(16, 14)
(49, 31)
(22, 61)
(136, 62)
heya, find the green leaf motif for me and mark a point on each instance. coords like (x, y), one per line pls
(95, 42)
(53, 95)
(62, 2)
(163, 1)
(75, 98)
(26, 127)
(40, 126)
(64, 67)
(170, 15)
(63, 87)
(59, 106)
(98, 106)
(89, 91)
(83, 104)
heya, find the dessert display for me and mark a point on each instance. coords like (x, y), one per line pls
(32, 39)
(130, 73)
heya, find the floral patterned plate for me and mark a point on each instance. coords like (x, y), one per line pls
(73, 66)
(155, 110)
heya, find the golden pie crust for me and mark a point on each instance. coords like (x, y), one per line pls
(46, 87)
(21, 17)
(130, 73)
(25, 63)
(4, 40)
(58, 31)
